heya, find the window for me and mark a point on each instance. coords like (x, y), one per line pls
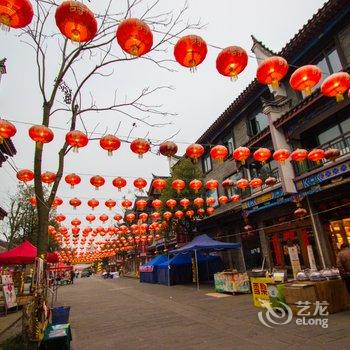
(345, 126)
(329, 63)
(229, 144)
(207, 166)
(329, 135)
(263, 171)
(258, 123)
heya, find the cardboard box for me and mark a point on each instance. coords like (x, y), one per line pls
(300, 292)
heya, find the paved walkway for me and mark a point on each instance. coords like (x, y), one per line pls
(126, 314)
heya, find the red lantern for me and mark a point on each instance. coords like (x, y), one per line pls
(57, 202)
(190, 51)
(117, 217)
(97, 181)
(198, 202)
(256, 183)
(200, 212)
(119, 182)
(90, 218)
(184, 203)
(178, 185)
(219, 153)
(231, 61)
(171, 203)
(210, 201)
(75, 202)
(157, 204)
(223, 200)
(281, 155)
(300, 213)
(210, 211)
(194, 151)
(179, 214)
(134, 37)
(140, 147)
(159, 184)
(316, 155)
(110, 143)
(32, 201)
(190, 213)
(110, 203)
(235, 198)
(25, 175)
(76, 139)
(168, 149)
(60, 218)
(130, 217)
(140, 183)
(7, 129)
(242, 184)
(141, 204)
(167, 215)
(196, 185)
(212, 184)
(93, 203)
(76, 222)
(299, 155)
(41, 134)
(241, 154)
(228, 183)
(75, 21)
(270, 181)
(155, 216)
(305, 78)
(262, 155)
(143, 217)
(75, 231)
(332, 154)
(336, 85)
(103, 218)
(48, 177)
(72, 179)
(15, 13)
(126, 203)
(272, 70)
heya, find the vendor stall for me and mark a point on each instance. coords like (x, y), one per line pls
(148, 271)
(232, 282)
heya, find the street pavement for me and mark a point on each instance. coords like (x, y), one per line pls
(126, 314)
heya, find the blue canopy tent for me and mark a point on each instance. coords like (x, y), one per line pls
(203, 243)
(178, 270)
(151, 275)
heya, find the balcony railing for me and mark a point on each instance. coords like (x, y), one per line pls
(342, 143)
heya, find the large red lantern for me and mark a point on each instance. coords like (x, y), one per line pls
(242, 184)
(200, 212)
(93, 203)
(281, 155)
(256, 183)
(7, 130)
(262, 155)
(190, 213)
(223, 200)
(75, 202)
(110, 204)
(168, 149)
(299, 155)
(103, 218)
(76, 222)
(126, 203)
(119, 182)
(15, 13)
(316, 155)
(140, 183)
(130, 217)
(110, 143)
(190, 51)
(231, 61)
(48, 177)
(272, 70)
(117, 217)
(210, 211)
(219, 153)
(76, 139)
(167, 215)
(57, 201)
(178, 185)
(157, 204)
(171, 203)
(198, 202)
(72, 179)
(305, 78)
(270, 181)
(90, 218)
(179, 214)
(140, 147)
(33, 201)
(336, 85)
(210, 201)
(184, 202)
(143, 217)
(212, 184)
(60, 218)
(241, 154)
(97, 181)
(194, 151)
(235, 198)
(228, 183)
(195, 185)
(25, 175)
(134, 37)
(41, 134)
(141, 204)
(159, 184)
(332, 154)
(155, 216)
(75, 21)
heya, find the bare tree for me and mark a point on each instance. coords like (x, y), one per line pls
(98, 59)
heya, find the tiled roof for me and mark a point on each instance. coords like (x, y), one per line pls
(3, 213)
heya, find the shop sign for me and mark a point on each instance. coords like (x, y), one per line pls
(311, 257)
(294, 260)
(263, 198)
(146, 268)
(9, 291)
(260, 290)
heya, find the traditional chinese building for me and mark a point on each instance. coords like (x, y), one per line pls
(284, 118)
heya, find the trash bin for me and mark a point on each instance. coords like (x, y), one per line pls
(60, 315)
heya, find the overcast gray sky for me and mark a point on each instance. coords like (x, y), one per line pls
(198, 99)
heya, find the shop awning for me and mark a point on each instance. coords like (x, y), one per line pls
(25, 253)
(204, 242)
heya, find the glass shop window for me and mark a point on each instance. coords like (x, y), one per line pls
(207, 165)
(258, 123)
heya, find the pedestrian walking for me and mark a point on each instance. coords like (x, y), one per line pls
(72, 275)
(343, 263)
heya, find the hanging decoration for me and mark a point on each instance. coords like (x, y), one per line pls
(48, 177)
(140, 183)
(75, 21)
(270, 181)
(117, 217)
(57, 201)
(201, 212)
(60, 218)
(184, 202)
(25, 175)
(198, 202)
(305, 78)
(262, 155)
(40, 134)
(110, 143)
(336, 85)
(179, 214)
(212, 184)
(110, 204)
(231, 61)
(219, 153)
(32, 201)
(72, 179)
(103, 218)
(210, 211)
(168, 149)
(271, 71)
(190, 51)
(194, 151)
(159, 184)
(316, 155)
(226, 184)
(155, 216)
(332, 154)
(157, 204)
(130, 217)
(119, 183)
(90, 218)
(75, 222)
(223, 200)
(143, 217)
(141, 204)
(210, 201)
(235, 198)
(256, 183)
(15, 13)
(126, 203)
(241, 154)
(195, 185)
(178, 185)
(171, 203)
(167, 215)
(7, 130)
(281, 155)
(190, 213)
(242, 184)
(93, 203)
(75, 202)
(97, 181)
(299, 155)
(140, 147)
(76, 139)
